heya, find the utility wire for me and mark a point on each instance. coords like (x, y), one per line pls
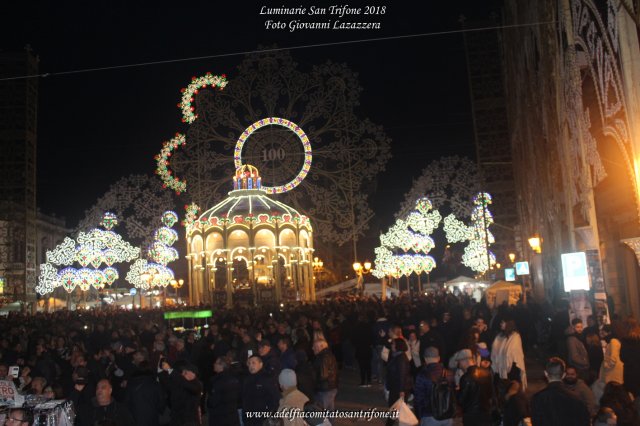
(277, 49)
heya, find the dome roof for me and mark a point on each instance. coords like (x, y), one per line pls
(248, 202)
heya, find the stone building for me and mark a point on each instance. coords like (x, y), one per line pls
(571, 71)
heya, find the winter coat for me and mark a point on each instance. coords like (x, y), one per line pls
(222, 400)
(144, 398)
(476, 396)
(584, 394)
(184, 398)
(556, 406)
(293, 399)
(115, 412)
(427, 376)
(363, 341)
(611, 370)
(288, 359)
(260, 392)
(398, 375)
(326, 369)
(504, 352)
(305, 374)
(630, 354)
(577, 355)
(271, 362)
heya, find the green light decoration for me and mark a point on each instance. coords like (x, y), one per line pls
(188, 314)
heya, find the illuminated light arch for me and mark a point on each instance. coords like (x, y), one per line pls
(306, 166)
(197, 83)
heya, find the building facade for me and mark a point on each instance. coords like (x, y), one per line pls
(18, 135)
(571, 79)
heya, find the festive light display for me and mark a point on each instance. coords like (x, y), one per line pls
(166, 235)
(162, 164)
(191, 215)
(159, 275)
(144, 274)
(197, 83)
(306, 166)
(456, 231)
(399, 236)
(477, 255)
(169, 218)
(109, 221)
(93, 248)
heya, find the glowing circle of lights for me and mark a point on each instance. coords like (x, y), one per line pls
(304, 139)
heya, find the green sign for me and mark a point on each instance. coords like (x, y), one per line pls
(188, 314)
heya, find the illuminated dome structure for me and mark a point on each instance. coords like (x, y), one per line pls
(250, 247)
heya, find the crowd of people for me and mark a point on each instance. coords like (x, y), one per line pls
(445, 356)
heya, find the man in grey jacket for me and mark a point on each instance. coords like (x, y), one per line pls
(576, 351)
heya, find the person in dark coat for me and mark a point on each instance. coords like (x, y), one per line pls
(428, 375)
(305, 374)
(270, 360)
(398, 371)
(477, 393)
(260, 392)
(630, 354)
(429, 338)
(185, 391)
(144, 396)
(104, 409)
(555, 405)
(325, 366)
(362, 340)
(287, 354)
(223, 396)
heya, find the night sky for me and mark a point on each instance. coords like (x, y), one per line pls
(96, 127)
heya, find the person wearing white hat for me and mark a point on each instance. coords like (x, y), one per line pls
(292, 401)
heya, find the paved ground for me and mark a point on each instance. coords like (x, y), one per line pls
(352, 397)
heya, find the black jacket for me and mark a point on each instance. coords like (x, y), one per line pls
(115, 412)
(305, 375)
(222, 400)
(556, 406)
(144, 398)
(326, 369)
(184, 398)
(260, 392)
(629, 355)
(398, 374)
(476, 396)
(271, 362)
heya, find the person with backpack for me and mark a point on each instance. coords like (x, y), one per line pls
(434, 396)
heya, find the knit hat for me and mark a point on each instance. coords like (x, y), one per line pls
(287, 378)
(431, 355)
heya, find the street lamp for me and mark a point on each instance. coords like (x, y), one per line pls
(536, 243)
(512, 257)
(176, 284)
(361, 270)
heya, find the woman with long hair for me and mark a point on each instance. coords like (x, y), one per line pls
(506, 352)
(612, 367)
